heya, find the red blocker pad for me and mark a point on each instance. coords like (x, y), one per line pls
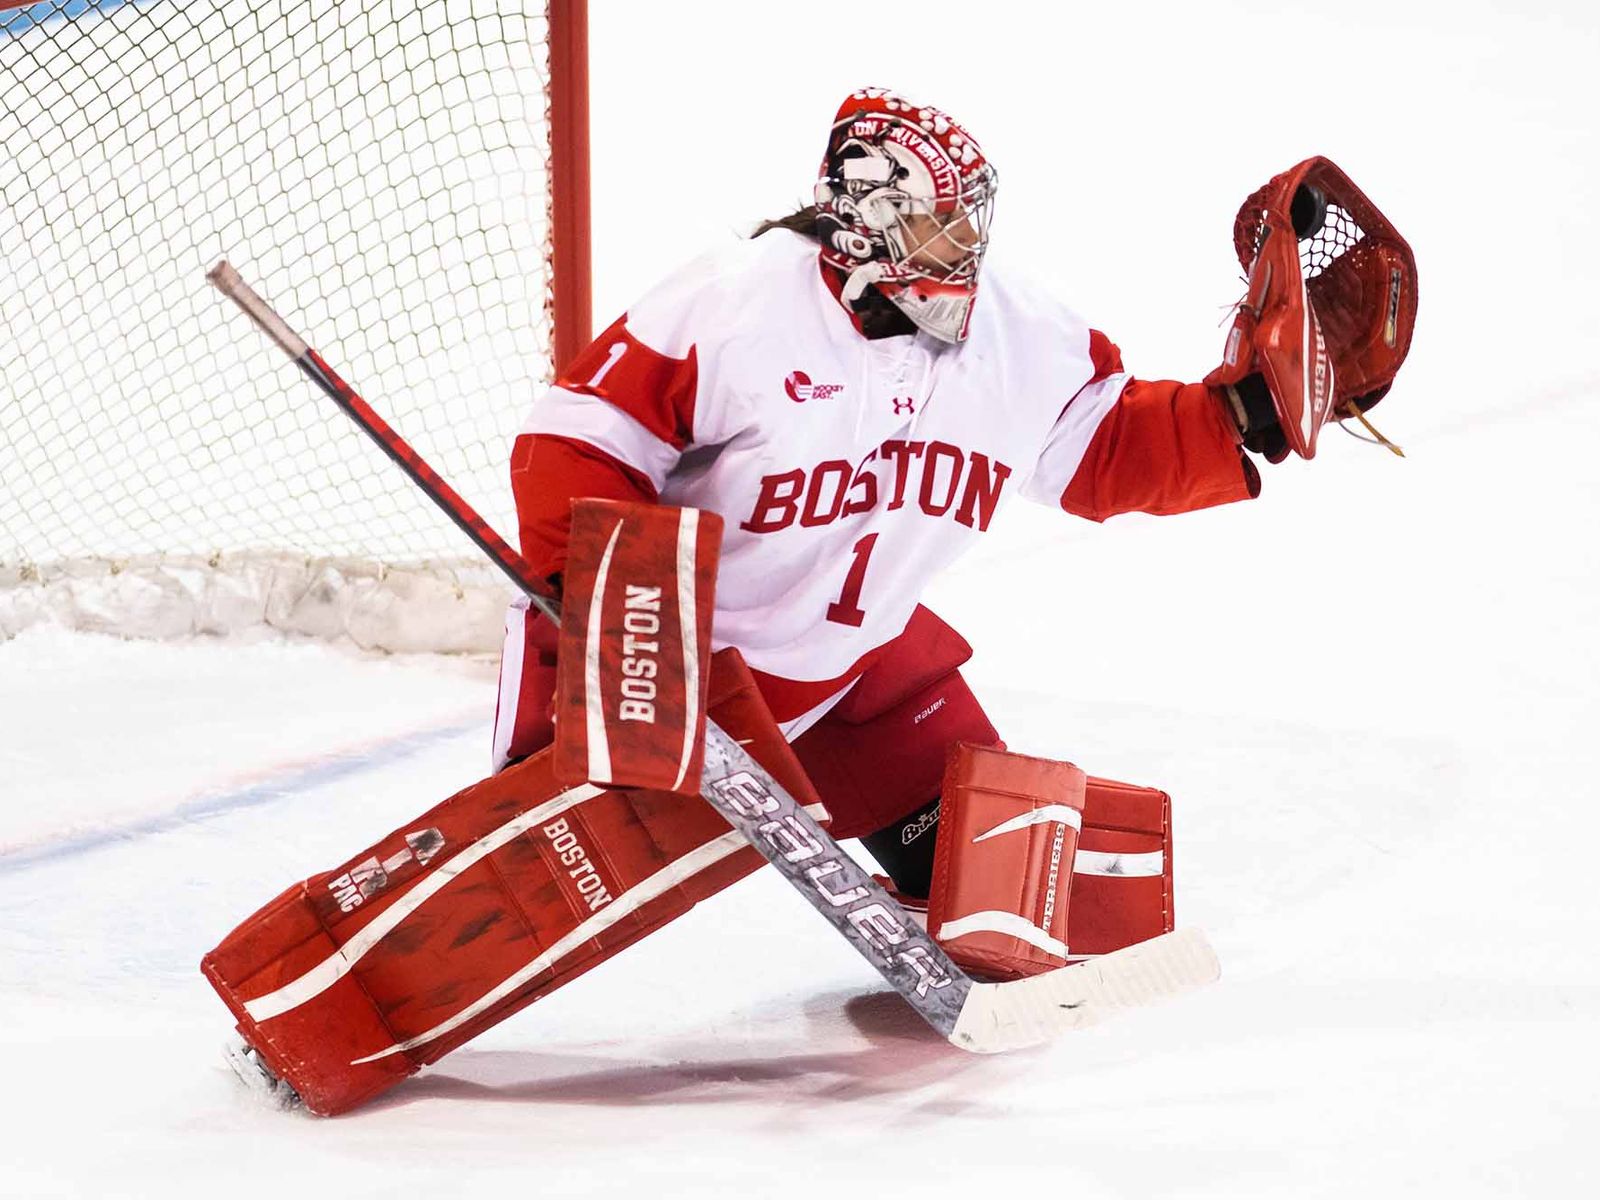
(353, 980)
(1122, 875)
(632, 666)
(1002, 869)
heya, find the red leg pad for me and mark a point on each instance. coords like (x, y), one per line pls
(358, 977)
(1002, 868)
(1122, 878)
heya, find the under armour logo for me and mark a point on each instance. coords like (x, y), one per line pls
(910, 405)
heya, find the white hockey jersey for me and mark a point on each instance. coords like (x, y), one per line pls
(848, 471)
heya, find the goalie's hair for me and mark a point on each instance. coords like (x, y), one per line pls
(878, 316)
(801, 220)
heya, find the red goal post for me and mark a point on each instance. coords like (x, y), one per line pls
(408, 177)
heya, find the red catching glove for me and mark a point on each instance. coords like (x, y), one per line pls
(1327, 318)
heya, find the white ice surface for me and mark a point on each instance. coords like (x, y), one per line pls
(102, 734)
(1372, 695)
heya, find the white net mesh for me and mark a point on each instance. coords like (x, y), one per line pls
(378, 169)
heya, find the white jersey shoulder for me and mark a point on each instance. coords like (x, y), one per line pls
(1014, 305)
(708, 302)
(1047, 347)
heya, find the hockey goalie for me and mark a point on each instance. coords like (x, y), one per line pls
(740, 490)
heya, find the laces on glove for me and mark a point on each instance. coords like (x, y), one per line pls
(1377, 439)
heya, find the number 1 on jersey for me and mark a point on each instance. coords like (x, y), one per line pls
(846, 610)
(613, 357)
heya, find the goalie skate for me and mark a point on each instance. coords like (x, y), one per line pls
(258, 1080)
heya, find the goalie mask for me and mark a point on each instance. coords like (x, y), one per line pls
(903, 204)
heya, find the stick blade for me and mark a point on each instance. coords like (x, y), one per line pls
(1008, 1016)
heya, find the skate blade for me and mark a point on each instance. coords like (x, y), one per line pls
(258, 1080)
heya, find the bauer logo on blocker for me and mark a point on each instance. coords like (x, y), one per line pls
(800, 388)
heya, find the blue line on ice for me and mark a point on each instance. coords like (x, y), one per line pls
(291, 783)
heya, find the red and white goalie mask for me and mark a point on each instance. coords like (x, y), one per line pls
(903, 204)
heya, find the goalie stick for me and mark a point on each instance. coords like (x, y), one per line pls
(980, 1017)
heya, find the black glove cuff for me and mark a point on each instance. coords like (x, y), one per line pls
(1257, 418)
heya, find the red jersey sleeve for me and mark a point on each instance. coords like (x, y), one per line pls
(1161, 447)
(612, 427)
(654, 388)
(547, 471)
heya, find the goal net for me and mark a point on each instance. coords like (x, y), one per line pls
(384, 171)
